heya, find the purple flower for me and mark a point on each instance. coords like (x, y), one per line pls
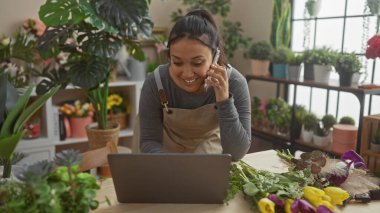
(354, 157)
(276, 200)
(302, 206)
(323, 209)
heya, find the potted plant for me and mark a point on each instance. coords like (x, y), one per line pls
(321, 136)
(375, 141)
(11, 125)
(117, 109)
(346, 65)
(322, 60)
(48, 186)
(344, 135)
(259, 53)
(278, 112)
(279, 58)
(300, 116)
(313, 7)
(257, 114)
(310, 122)
(374, 6)
(294, 68)
(92, 32)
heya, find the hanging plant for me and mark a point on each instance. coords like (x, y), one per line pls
(313, 7)
(374, 6)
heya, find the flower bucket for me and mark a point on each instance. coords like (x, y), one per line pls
(344, 138)
(98, 138)
(280, 71)
(260, 67)
(78, 126)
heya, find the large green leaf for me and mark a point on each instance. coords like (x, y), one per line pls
(7, 128)
(101, 45)
(8, 145)
(89, 73)
(52, 77)
(49, 45)
(135, 50)
(32, 108)
(124, 15)
(65, 12)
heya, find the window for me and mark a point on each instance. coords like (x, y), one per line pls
(345, 26)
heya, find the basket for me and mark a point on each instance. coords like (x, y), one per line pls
(98, 138)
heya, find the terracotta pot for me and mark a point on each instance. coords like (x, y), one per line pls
(78, 126)
(260, 67)
(104, 171)
(98, 138)
(344, 138)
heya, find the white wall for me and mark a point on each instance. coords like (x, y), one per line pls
(255, 16)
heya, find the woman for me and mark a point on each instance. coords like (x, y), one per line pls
(177, 111)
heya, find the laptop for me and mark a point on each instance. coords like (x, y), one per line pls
(170, 177)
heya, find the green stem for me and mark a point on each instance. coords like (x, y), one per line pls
(7, 168)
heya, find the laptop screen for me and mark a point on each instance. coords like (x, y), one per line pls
(170, 178)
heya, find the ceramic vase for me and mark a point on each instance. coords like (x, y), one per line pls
(78, 126)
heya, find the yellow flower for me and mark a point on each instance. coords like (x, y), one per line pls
(288, 204)
(337, 195)
(266, 205)
(115, 99)
(317, 197)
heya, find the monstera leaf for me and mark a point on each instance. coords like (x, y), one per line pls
(65, 12)
(89, 73)
(100, 44)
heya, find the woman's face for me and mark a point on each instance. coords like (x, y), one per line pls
(189, 62)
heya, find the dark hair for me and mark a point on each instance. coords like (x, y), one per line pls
(199, 25)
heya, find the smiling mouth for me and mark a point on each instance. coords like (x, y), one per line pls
(190, 81)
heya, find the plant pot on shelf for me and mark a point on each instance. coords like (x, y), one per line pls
(322, 141)
(345, 79)
(78, 126)
(322, 73)
(294, 72)
(308, 73)
(120, 118)
(344, 138)
(260, 67)
(280, 71)
(306, 136)
(98, 138)
(313, 7)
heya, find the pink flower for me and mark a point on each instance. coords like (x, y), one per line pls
(35, 26)
(373, 48)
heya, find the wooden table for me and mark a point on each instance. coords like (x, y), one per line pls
(266, 160)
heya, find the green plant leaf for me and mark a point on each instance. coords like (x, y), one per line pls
(50, 42)
(8, 144)
(101, 45)
(10, 121)
(89, 73)
(32, 108)
(125, 15)
(65, 12)
(134, 50)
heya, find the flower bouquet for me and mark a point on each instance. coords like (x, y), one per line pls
(79, 116)
(117, 109)
(314, 183)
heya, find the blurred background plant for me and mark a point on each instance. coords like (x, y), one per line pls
(116, 104)
(232, 32)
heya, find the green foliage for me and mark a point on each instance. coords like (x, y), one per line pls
(301, 112)
(310, 121)
(295, 59)
(281, 15)
(260, 50)
(230, 31)
(50, 187)
(278, 112)
(328, 121)
(11, 130)
(347, 120)
(320, 56)
(280, 55)
(347, 63)
(91, 32)
(257, 114)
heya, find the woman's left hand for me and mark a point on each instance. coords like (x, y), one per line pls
(218, 79)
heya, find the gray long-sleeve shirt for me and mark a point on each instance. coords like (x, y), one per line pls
(234, 114)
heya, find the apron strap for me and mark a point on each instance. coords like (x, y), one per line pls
(161, 91)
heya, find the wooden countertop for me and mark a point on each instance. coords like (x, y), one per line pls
(266, 160)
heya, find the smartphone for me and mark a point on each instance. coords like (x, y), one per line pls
(214, 61)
